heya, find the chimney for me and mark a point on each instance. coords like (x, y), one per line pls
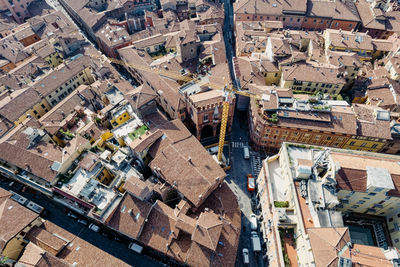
(190, 160)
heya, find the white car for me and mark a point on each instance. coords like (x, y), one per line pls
(245, 252)
(253, 221)
(94, 227)
(82, 222)
(72, 215)
(135, 247)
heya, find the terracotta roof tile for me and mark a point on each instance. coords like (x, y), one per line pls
(129, 217)
(13, 218)
(309, 73)
(195, 173)
(208, 230)
(46, 240)
(326, 243)
(145, 141)
(80, 251)
(22, 100)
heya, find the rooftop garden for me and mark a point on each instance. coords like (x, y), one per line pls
(160, 53)
(321, 107)
(287, 242)
(138, 132)
(67, 134)
(281, 204)
(273, 118)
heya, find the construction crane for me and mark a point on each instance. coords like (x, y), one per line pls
(228, 89)
(224, 121)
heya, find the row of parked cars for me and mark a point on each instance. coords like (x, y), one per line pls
(255, 239)
(95, 228)
(92, 226)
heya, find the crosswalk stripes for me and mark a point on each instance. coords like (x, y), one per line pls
(237, 144)
(256, 165)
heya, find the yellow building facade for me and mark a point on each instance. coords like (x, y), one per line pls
(272, 77)
(54, 59)
(312, 87)
(120, 118)
(37, 111)
(364, 143)
(83, 77)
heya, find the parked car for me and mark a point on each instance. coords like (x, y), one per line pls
(245, 252)
(72, 215)
(246, 153)
(253, 221)
(251, 183)
(94, 227)
(82, 222)
(135, 247)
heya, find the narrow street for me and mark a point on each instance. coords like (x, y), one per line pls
(228, 34)
(237, 181)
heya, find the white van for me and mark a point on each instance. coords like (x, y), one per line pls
(253, 222)
(135, 247)
(246, 152)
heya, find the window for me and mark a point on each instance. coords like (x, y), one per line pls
(374, 145)
(35, 112)
(363, 144)
(205, 118)
(378, 189)
(298, 20)
(371, 194)
(43, 106)
(283, 19)
(276, 74)
(352, 143)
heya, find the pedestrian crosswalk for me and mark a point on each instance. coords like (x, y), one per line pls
(256, 164)
(238, 144)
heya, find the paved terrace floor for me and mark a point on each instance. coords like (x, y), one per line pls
(278, 185)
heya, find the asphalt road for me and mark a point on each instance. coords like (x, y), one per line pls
(228, 34)
(237, 181)
(57, 214)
